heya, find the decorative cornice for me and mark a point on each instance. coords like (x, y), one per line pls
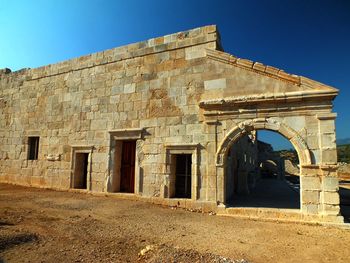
(284, 97)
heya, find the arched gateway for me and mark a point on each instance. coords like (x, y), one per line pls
(245, 128)
(311, 133)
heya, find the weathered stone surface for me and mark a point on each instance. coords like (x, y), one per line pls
(177, 94)
(311, 197)
(331, 198)
(310, 183)
(215, 84)
(330, 184)
(331, 209)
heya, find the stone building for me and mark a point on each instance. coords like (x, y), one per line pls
(158, 119)
(242, 168)
(270, 163)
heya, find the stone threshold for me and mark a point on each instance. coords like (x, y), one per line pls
(282, 215)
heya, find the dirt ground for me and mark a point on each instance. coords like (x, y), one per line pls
(39, 225)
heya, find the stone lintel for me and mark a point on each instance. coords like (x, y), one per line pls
(82, 147)
(127, 134)
(175, 146)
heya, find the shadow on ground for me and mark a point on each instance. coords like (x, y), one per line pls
(10, 241)
(269, 193)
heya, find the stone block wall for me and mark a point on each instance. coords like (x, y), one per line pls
(149, 85)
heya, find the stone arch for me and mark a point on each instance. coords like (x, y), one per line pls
(245, 127)
(263, 124)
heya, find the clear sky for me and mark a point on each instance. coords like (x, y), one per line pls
(303, 37)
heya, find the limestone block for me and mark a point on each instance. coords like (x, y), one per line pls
(135, 96)
(132, 115)
(175, 91)
(330, 184)
(162, 131)
(333, 219)
(259, 66)
(192, 53)
(150, 158)
(37, 181)
(329, 170)
(272, 70)
(148, 123)
(313, 141)
(64, 183)
(215, 84)
(211, 194)
(191, 118)
(114, 99)
(310, 197)
(177, 130)
(98, 124)
(271, 125)
(296, 122)
(128, 106)
(151, 148)
(212, 181)
(179, 101)
(328, 140)
(179, 139)
(99, 157)
(129, 88)
(311, 125)
(193, 129)
(309, 208)
(173, 120)
(245, 62)
(331, 198)
(330, 209)
(329, 156)
(326, 126)
(310, 183)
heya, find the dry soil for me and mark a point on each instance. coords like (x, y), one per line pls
(38, 225)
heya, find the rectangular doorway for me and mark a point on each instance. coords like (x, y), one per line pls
(183, 175)
(127, 167)
(81, 170)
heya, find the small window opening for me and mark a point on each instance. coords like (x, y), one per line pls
(33, 148)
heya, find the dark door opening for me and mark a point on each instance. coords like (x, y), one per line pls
(81, 170)
(33, 148)
(127, 168)
(183, 174)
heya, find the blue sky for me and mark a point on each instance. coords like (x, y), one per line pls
(309, 38)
